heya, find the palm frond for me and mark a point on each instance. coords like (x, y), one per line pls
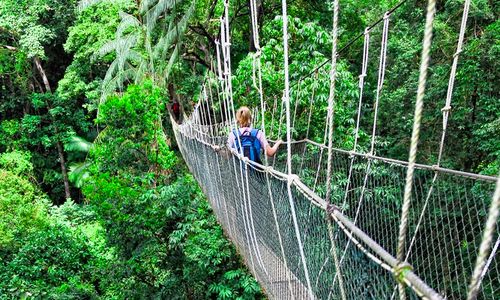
(171, 61)
(118, 44)
(184, 21)
(116, 82)
(84, 4)
(136, 57)
(78, 172)
(141, 73)
(145, 5)
(77, 144)
(113, 68)
(156, 11)
(164, 43)
(127, 21)
(175, 33)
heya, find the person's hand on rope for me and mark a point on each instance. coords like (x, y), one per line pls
(270, 151)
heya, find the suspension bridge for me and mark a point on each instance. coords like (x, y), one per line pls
(319, 222)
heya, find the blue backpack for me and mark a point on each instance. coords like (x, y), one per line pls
(250, 144)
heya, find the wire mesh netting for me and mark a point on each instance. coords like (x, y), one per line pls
(283, 235)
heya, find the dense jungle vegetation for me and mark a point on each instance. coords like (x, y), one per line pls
(95, 200)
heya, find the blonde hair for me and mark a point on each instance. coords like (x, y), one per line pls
(244, 116)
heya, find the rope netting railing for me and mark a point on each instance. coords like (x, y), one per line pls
(319, 221)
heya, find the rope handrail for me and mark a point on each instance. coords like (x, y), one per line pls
(436, 168)
(285, 223)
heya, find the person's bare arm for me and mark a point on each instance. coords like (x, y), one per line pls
(270, 151)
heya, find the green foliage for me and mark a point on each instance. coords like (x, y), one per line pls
(133, 138)
(22, 206)
(158, 223)
(46, 252)
(209, 257)
(93, 27)
(35, 23)
(470, 144)
(54, 121)
(17, 162)
(61, 267)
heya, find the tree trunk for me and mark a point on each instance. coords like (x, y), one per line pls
(40, 69)
(63, 170)
(60, 150)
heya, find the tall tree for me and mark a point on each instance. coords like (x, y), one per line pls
(30, 29)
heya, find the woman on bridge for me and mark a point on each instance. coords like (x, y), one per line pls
(250, 141)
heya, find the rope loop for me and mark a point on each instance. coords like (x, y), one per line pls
(293, 177)
(387, 15)
(400, 270)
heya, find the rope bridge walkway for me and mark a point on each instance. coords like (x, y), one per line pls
(318, 222)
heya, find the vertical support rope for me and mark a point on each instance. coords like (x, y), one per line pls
(364, 68)
(311, 100)
(222, 197)
(225, 39)
(227, 113)
(251, 223)
(381, 76)
(286, 99)
(446, 112)
(403, 228)
(330, 119)
(485, 246)
(380, 84)
(446, 109)
(257, 64)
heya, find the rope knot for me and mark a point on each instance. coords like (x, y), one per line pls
(446, 108)
(387, 15)
(400, 271)
(369, 155)
(331, 208)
